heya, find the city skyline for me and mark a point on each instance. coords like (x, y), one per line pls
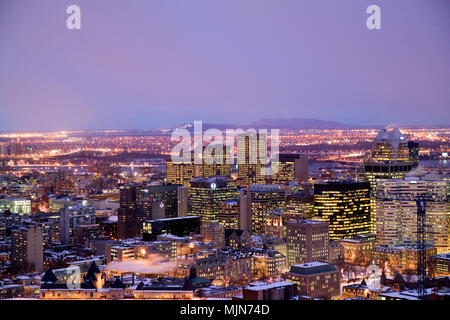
(225, 152)
(222, 63)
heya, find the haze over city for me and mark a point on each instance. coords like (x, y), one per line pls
(153, 64)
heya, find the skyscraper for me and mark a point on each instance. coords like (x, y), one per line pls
(249, 147)
(307, 241)
(392, 157)
(264, 199)
(127, 220)
(229, 214)
(291, 167)
(396, 220)
(212, 165)
(205, 196)
(299, 205)
(72, 216)
(27, 249)
(345, 205)
(182, 173)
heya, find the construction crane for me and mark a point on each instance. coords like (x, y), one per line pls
(421, 201)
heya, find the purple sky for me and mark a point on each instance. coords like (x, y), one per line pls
(159, 63)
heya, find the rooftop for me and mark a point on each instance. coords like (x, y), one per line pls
(312, 268)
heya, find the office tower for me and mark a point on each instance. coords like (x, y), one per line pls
(229, 214)
(291, 167)
(109, 229)
(180, 227)
(345, 205)
(249, 148)
(127, 220)
(182, 200)
(167, 194)
(70, 218)
(396, 220)
(391, 158)
(245, 211)
(216, 165)
(27, 249)
(205, 196)
(264, 199)
(213, 231)
(182, 173)
(299, 205)
(390, 146)
(86, 234)
(316, 280)
(307, 241)
(157, 210)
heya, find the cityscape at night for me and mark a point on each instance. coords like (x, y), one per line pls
(208, 151)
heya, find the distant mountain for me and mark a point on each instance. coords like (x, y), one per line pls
(292, 123)
(299, 123)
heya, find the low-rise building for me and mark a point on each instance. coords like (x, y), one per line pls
(316, 280)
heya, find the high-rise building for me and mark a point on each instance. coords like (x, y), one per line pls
(392, 157)
(166, 194)
(390, 146)
(184, 173)
(229, 214)
(307, 241)
(140, 203)
(299, 205)
(127, 215)
(27, 249)
(205, 196)
(245, 211)
(291, 167)
(396, 219)
(264, 199)
(250, 168)
(182, 201)
(72, 216)
(216, 164)
(345, 205)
